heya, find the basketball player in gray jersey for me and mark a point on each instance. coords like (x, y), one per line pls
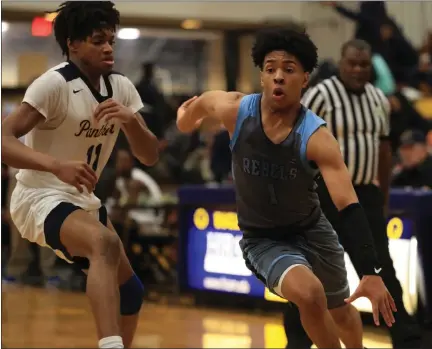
(278, 148)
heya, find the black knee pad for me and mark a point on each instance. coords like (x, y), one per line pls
(131, 296)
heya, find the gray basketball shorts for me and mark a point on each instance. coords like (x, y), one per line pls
(316, 247)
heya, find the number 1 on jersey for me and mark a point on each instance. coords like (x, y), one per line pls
(97, 152)
(273, 198)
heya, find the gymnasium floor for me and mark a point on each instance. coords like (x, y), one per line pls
(38, 318)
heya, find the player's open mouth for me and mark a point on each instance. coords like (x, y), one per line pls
(278, 93)
(109, 61)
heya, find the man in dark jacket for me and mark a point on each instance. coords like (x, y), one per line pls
(416, 169)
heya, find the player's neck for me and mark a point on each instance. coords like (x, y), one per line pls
(287, 115)
(94, 79)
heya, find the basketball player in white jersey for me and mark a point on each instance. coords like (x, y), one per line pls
(71, 116)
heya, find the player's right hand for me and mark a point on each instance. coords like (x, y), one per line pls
(372, 287)
(76, 173)
(181, 111)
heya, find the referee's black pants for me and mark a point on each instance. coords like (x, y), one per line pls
(405, 332)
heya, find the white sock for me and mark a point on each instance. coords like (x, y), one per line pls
(111, 342)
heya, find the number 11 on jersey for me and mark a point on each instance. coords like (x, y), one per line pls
(96, 150)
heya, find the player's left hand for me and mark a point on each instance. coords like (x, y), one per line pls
(111, 109)
(373, 288)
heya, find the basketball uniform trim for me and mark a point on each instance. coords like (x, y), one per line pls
(246, 110)
(316, 247)
(68, 72)
(310, 125)
(53, 223)
(71, 72)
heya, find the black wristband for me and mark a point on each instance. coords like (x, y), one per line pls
(355, 227)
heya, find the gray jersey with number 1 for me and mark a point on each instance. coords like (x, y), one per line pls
(275, 183)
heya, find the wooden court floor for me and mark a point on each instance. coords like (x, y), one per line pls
(38, 318)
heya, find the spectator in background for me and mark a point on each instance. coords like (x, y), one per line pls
(122, 165)
(425, 64)
(152, 97)
(424, 104)
(20, 251)
(416, 163)
(130, 181)
(368, 20)
(157, 113)
(178, 147)
(398, 52)
(114, 182)
(220, 156)
(375, 26)
(403, 113)
(124, 184)
(382, 75)
(183, 156)
(216, 164)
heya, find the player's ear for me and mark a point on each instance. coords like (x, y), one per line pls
(261, 79)
(306, 80)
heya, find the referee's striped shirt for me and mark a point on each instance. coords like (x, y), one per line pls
(357, 120)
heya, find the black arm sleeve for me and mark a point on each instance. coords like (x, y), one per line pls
(356, 228)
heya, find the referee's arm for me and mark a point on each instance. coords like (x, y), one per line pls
(385, 153)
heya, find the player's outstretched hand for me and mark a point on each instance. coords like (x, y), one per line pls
(111, 109)
(181, 111)
(373, 288)
(76, 173)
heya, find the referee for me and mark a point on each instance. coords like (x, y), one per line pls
(357, 114)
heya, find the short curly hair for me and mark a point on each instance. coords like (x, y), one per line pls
(295, 42)
(76, 20)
